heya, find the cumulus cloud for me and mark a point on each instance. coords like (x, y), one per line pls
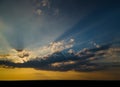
(53, 57)
(38, 53)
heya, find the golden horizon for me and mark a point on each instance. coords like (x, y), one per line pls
(19, 74)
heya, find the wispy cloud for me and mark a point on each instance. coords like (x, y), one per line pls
(45, 7)
(45, 3)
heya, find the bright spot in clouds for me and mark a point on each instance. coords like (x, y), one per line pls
(37, 53)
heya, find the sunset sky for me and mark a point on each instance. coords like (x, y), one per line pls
(59, 40)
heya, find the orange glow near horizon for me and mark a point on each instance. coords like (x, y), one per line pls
(32, 74)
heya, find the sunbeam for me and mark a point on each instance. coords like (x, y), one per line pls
(4, 45)
(59, 36)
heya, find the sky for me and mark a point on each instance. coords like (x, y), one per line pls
(60, 36)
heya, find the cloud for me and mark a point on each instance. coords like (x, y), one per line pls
(36, 54)
(40, 6)
(71, 51)
(112, 55)
(45, 3)
(38, 11)
(45, 7)
(95, 44)
(60, 64)
(52, 57)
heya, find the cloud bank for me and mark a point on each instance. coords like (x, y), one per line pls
(37, 53)
(59, 56)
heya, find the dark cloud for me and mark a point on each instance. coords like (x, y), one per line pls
(39, 22)
(84, 60)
